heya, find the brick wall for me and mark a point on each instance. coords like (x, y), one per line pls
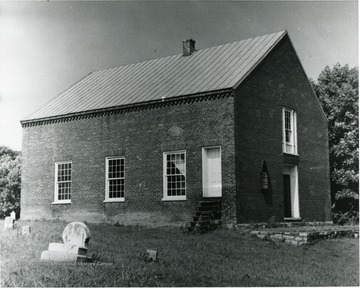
(279, 81)
(140, 136)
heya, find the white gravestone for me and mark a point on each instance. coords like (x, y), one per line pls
(13, 215)
(25, 230)
(8, 223)
(152, 255)
(76, 233)
(76, 237)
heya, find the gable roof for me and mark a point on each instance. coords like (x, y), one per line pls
(211, 69)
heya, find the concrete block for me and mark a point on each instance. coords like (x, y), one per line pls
(289, 237)
(298, 238)
(356, 235)
(67, 248)
(261, 236)
(303, 234)
(294, 242)
(55, 256)
(276, 237)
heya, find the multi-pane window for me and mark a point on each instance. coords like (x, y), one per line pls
(174, 175)
(63, 182)
(289, 131)
(115, 179)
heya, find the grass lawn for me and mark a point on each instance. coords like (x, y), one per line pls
(220, 258)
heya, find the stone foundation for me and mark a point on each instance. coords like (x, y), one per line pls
(301, 238)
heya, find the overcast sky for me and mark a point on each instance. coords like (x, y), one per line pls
(47, 46)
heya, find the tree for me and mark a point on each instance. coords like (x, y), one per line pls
(337, 90)
(10, 181)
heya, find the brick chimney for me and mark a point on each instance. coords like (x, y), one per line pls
(188, 47)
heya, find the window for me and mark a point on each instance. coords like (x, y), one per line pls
(62, 182)
(289, 131)
(115, 179)
(174, 175)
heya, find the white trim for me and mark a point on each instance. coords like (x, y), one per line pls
(107, 198)
(56, 195)
(293, 121)
(61, 202)
(292, 171)
(112, 200)
(174, 198)
(204, 185)
(165, 196)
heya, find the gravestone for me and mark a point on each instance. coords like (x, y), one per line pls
(76, 237)
(76, 233)
(13, 215)
(152, 255)
(25, 230)
(8, 223)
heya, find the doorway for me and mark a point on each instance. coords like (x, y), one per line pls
(291, 191)
(212, 179)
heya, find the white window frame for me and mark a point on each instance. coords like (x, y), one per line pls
(56, 184)
(107, 180)
(166, 197)
(290, 147)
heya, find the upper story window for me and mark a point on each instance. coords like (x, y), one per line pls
(62, 182)
(174, 175)
(115, 179)
(289, 131)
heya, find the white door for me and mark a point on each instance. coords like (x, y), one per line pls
(212, 182)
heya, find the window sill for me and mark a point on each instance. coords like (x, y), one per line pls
(178, 198)
(293, 154)
(61, 202)
(116, 200)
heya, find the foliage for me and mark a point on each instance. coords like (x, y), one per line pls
(10, 181)
(218, 259)
(338, 92)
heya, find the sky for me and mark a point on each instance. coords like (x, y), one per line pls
(46, 46)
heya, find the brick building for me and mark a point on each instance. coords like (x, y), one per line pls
(145, 143)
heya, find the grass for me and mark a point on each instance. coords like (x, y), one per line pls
(220, 258)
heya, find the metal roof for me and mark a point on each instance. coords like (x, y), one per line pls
(210, 69)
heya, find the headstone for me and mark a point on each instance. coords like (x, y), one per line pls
(67, 248)
(55, 256)
(13, 215)
(76, 233)
(76, 237)
(8, 223)
(25, 230)
(152, 255)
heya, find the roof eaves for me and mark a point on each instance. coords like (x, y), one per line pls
(59, 95)
(225, 91)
